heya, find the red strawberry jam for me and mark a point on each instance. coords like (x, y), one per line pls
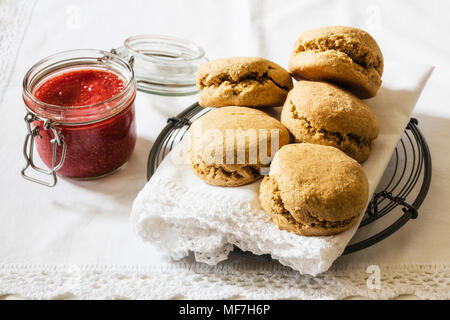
(96, 120)
(80, 88)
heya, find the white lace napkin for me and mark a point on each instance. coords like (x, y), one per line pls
(180, 213)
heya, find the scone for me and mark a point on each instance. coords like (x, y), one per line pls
(314, 190)
(229, 146)
(242, 81)
(347, 56)
(322, 113)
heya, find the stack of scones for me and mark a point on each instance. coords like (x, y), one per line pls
(310, 158)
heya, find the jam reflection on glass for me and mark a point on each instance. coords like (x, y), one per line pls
(97, 147)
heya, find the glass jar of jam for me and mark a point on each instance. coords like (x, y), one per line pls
(81, 116)
(80, 103)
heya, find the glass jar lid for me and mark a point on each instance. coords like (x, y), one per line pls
(163, 65)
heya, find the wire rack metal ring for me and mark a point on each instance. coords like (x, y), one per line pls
(403, 188)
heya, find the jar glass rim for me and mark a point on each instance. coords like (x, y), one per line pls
(28, 90)
(197, 51)
(163, 65)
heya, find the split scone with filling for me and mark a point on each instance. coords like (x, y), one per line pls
(322, 113)
(347, 56)
(242, 81)
(230, 146)
(314, 190)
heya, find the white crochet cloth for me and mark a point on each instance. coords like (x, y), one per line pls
(257, 280)
(180, 213)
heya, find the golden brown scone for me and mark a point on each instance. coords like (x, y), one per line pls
(347, 56)
(228, 146)
(322, 113)
(242, 81)
(314, 190)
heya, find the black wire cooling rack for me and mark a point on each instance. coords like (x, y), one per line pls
(402, 189)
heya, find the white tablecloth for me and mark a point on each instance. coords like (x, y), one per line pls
(77, 240)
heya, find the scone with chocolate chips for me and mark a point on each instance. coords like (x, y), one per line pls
(229, 146)
(242, 81)
(314, 190)
(347, 56)
(322, 113)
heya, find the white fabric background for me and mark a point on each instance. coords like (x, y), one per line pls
(87, 223)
